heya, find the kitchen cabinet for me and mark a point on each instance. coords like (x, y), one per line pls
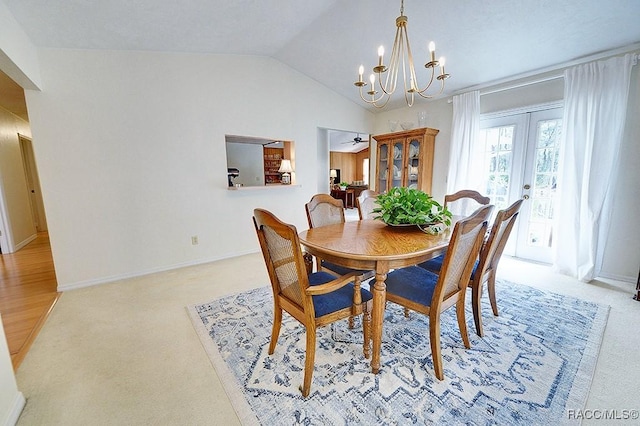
(405, 159)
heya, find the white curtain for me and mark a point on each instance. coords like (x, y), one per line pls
(595, 105)
(464, 172)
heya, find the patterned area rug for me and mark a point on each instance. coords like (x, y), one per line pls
(534, 364)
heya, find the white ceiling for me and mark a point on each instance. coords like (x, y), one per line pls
(483, 41)
(340, 141)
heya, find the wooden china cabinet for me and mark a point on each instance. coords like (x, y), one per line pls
(405, 159)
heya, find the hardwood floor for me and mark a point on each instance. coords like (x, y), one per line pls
(28, 292)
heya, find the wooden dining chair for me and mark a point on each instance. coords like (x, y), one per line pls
(365, 203)
(315, 299)
(420, 290)
(465, 201)
(323, 210)
(487, 265)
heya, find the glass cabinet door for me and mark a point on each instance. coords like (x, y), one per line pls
(413, 169)
(397, 165)
(383, 165)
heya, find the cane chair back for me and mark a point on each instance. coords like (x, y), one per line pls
(465, 201)
(315, 299)
(324, 210)
(490, 255)
(365, 203)
(487, 264)
(420, 290)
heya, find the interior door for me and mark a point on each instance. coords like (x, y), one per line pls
(520, 154)
(33, 183)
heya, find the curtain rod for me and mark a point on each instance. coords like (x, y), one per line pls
(512, 86)
(558, 68)
(523, 84)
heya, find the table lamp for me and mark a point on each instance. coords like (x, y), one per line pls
(332, 174)
(285, 169)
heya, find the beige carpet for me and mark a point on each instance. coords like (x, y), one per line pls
(126, 352)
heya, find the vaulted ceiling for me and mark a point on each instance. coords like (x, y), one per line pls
(483, 41)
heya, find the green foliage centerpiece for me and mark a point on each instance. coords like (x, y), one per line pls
(407, 206)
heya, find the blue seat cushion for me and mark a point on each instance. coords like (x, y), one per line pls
(340, 270)
(336, 300)
(412, 283)
(435, 265)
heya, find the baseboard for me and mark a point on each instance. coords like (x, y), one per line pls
(105, 280)
(623, 278)
(24, 242)
(16, 410)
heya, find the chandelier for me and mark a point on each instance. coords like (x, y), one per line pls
(401, 57)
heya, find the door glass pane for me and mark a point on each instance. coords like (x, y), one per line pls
(398, 157)
(414, 163)
(540, 227)
(497, 147)
(383, 168)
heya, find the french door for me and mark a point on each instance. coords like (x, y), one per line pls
(520, 160)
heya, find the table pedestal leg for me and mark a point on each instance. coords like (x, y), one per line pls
(377, 316)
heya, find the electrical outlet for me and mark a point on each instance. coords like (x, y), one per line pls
(194, 240)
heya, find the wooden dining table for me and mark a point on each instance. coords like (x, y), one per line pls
(373, 245)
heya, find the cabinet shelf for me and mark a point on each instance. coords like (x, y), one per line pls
(272, 159)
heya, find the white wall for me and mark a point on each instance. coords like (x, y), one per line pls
(14, 191)
(11, 400)
(131, 153)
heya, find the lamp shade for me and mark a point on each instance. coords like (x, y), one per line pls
(285, 167)
(333, 173)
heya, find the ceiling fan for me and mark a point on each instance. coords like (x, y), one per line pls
(357, 140)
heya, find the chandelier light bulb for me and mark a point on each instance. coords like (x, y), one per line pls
(432, 50)
(372, 92)
(380, 54)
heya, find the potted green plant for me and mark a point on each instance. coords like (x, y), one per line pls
(407, 206)
(343, 185)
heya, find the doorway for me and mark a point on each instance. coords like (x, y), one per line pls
(33, 183)
(520, 154)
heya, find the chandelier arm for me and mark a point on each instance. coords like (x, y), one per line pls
(383, 87)
(391, 80)
(374, 101)
(404, 76)
(433, 95)
(384, 104)
(422, 91)
(413, 79)
(408, 95)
